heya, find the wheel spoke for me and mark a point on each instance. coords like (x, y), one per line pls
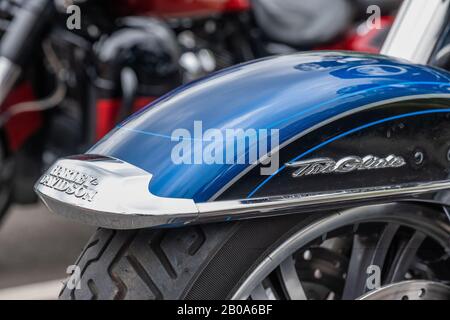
(359, 260)
(370, 251)
(290, 281)
(334, 263)
(405, 257)
(259, 293)
(383, 244)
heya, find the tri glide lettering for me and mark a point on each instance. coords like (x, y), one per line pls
(347, 164)
(71, 182)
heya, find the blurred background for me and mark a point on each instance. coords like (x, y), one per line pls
(71, 70)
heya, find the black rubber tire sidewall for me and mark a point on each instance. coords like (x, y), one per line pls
(232, 252)
(231, 249)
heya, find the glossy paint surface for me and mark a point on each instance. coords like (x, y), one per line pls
(289, 93)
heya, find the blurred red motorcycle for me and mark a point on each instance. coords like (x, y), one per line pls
(62, 88)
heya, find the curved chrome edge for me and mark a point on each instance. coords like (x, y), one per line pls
(258, 207)
(416, 30)
(9, 73)
(110, 193)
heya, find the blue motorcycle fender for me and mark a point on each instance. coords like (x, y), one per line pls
(320, 122)
(291, 94)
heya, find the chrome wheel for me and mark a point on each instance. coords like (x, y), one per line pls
(331, 258)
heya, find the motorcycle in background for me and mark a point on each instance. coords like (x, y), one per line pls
(347, 200)
(62, 90)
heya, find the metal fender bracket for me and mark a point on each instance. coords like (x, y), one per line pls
(110, 193)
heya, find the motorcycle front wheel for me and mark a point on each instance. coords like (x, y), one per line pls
(391, 251)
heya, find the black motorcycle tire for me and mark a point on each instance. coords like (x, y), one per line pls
(6, 173)
(198, 262)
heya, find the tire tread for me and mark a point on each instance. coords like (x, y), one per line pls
(144, 264)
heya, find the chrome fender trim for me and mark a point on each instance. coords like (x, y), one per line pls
(110, 193)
